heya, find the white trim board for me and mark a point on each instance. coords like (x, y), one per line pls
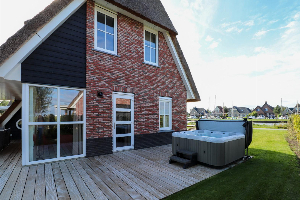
(29, 46)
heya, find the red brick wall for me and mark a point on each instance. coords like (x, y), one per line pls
(127, 73)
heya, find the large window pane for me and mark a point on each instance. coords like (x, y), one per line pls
(42, 104)
(123, 141)
(153, 56)
(161, 107)
(71, 105)
(153, 40)
(147, 53)
(100, 21)
(100, 39)
(71, 140)
(109, 42)
(123, 116)
(109, 24)
(42, 142)
(167, 108)
(123, 103)
(161, 121)
(123, 128)
(147, 38)
(167, 124)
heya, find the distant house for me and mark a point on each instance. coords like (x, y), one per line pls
(294, 110)
(286, 111)
(198, 112)
(238, 112)
(218, 111)
(266, 110)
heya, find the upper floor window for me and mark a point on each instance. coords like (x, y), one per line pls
(165, 113)
(105, 31)
(266, 109)
(151, 46)
(257, 109)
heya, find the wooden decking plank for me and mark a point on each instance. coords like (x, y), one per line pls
(96, 178)
(119, 180)
(141, 167)
(8, 152)
(40, 185)
(147, 177)
(164, 162)
(109, 180)
(152, 191)
(83, 189)
(30, 183)
(186, 180)
(20, 185)
(144, 193)
(10, 167)
(154, 171)
(61, 189)
(70, 184)
(50, 185)
(97, 193)
(9, 186)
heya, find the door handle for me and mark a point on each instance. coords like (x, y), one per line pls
(114, 125)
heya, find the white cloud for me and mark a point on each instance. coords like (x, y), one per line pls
(249, 23)
(209, 39)
(234, 29)
(272, 21)
(259, 34)
(214, 45)
(260, 49)
(297, 16)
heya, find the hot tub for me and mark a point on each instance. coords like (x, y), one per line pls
(213, 147)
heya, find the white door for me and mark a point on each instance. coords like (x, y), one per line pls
(123, 121)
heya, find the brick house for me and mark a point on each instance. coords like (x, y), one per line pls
(97, 77)
(266, 110)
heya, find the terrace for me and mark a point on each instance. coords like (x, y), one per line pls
(136, 174)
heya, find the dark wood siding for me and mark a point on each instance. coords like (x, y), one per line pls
(61, 58)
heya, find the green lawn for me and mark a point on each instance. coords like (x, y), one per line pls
(272, 173)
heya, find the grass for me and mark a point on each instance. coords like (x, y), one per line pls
(272, 173)
(276, 126)
(271, 120)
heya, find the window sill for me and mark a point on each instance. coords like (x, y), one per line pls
(102, 51)
(164, 131)
(154, 65)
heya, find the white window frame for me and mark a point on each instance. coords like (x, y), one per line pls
(165, 99)
(110, 14)
(26, 123)
(156, 34)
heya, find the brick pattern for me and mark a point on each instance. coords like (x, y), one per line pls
(127, 73)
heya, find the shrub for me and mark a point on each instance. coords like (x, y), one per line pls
(294, 126)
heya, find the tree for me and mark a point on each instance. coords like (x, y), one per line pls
(254, 113)
(3, 103)
(226, 110)
(277, 110)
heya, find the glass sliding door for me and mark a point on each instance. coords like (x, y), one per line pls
(123, 121)
(54, 123)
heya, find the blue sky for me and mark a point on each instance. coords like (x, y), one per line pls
(244, 52)
(241, 52)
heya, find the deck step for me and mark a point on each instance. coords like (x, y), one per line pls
(190, 155)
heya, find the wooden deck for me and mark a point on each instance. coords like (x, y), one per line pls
(135, 174)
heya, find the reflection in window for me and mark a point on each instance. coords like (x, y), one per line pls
(150, 47)
(42, 142)
(71, 139)
(105, 32)
(42, 104)
(123, 141)
(123, 128)
(123, 116)
(165, 113)
(71, 105)
(123, 103)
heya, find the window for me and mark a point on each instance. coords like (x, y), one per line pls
(266, 109)
(54, 123)
(105, 31)
(151, 46)
(165, 113)
(257, 109)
